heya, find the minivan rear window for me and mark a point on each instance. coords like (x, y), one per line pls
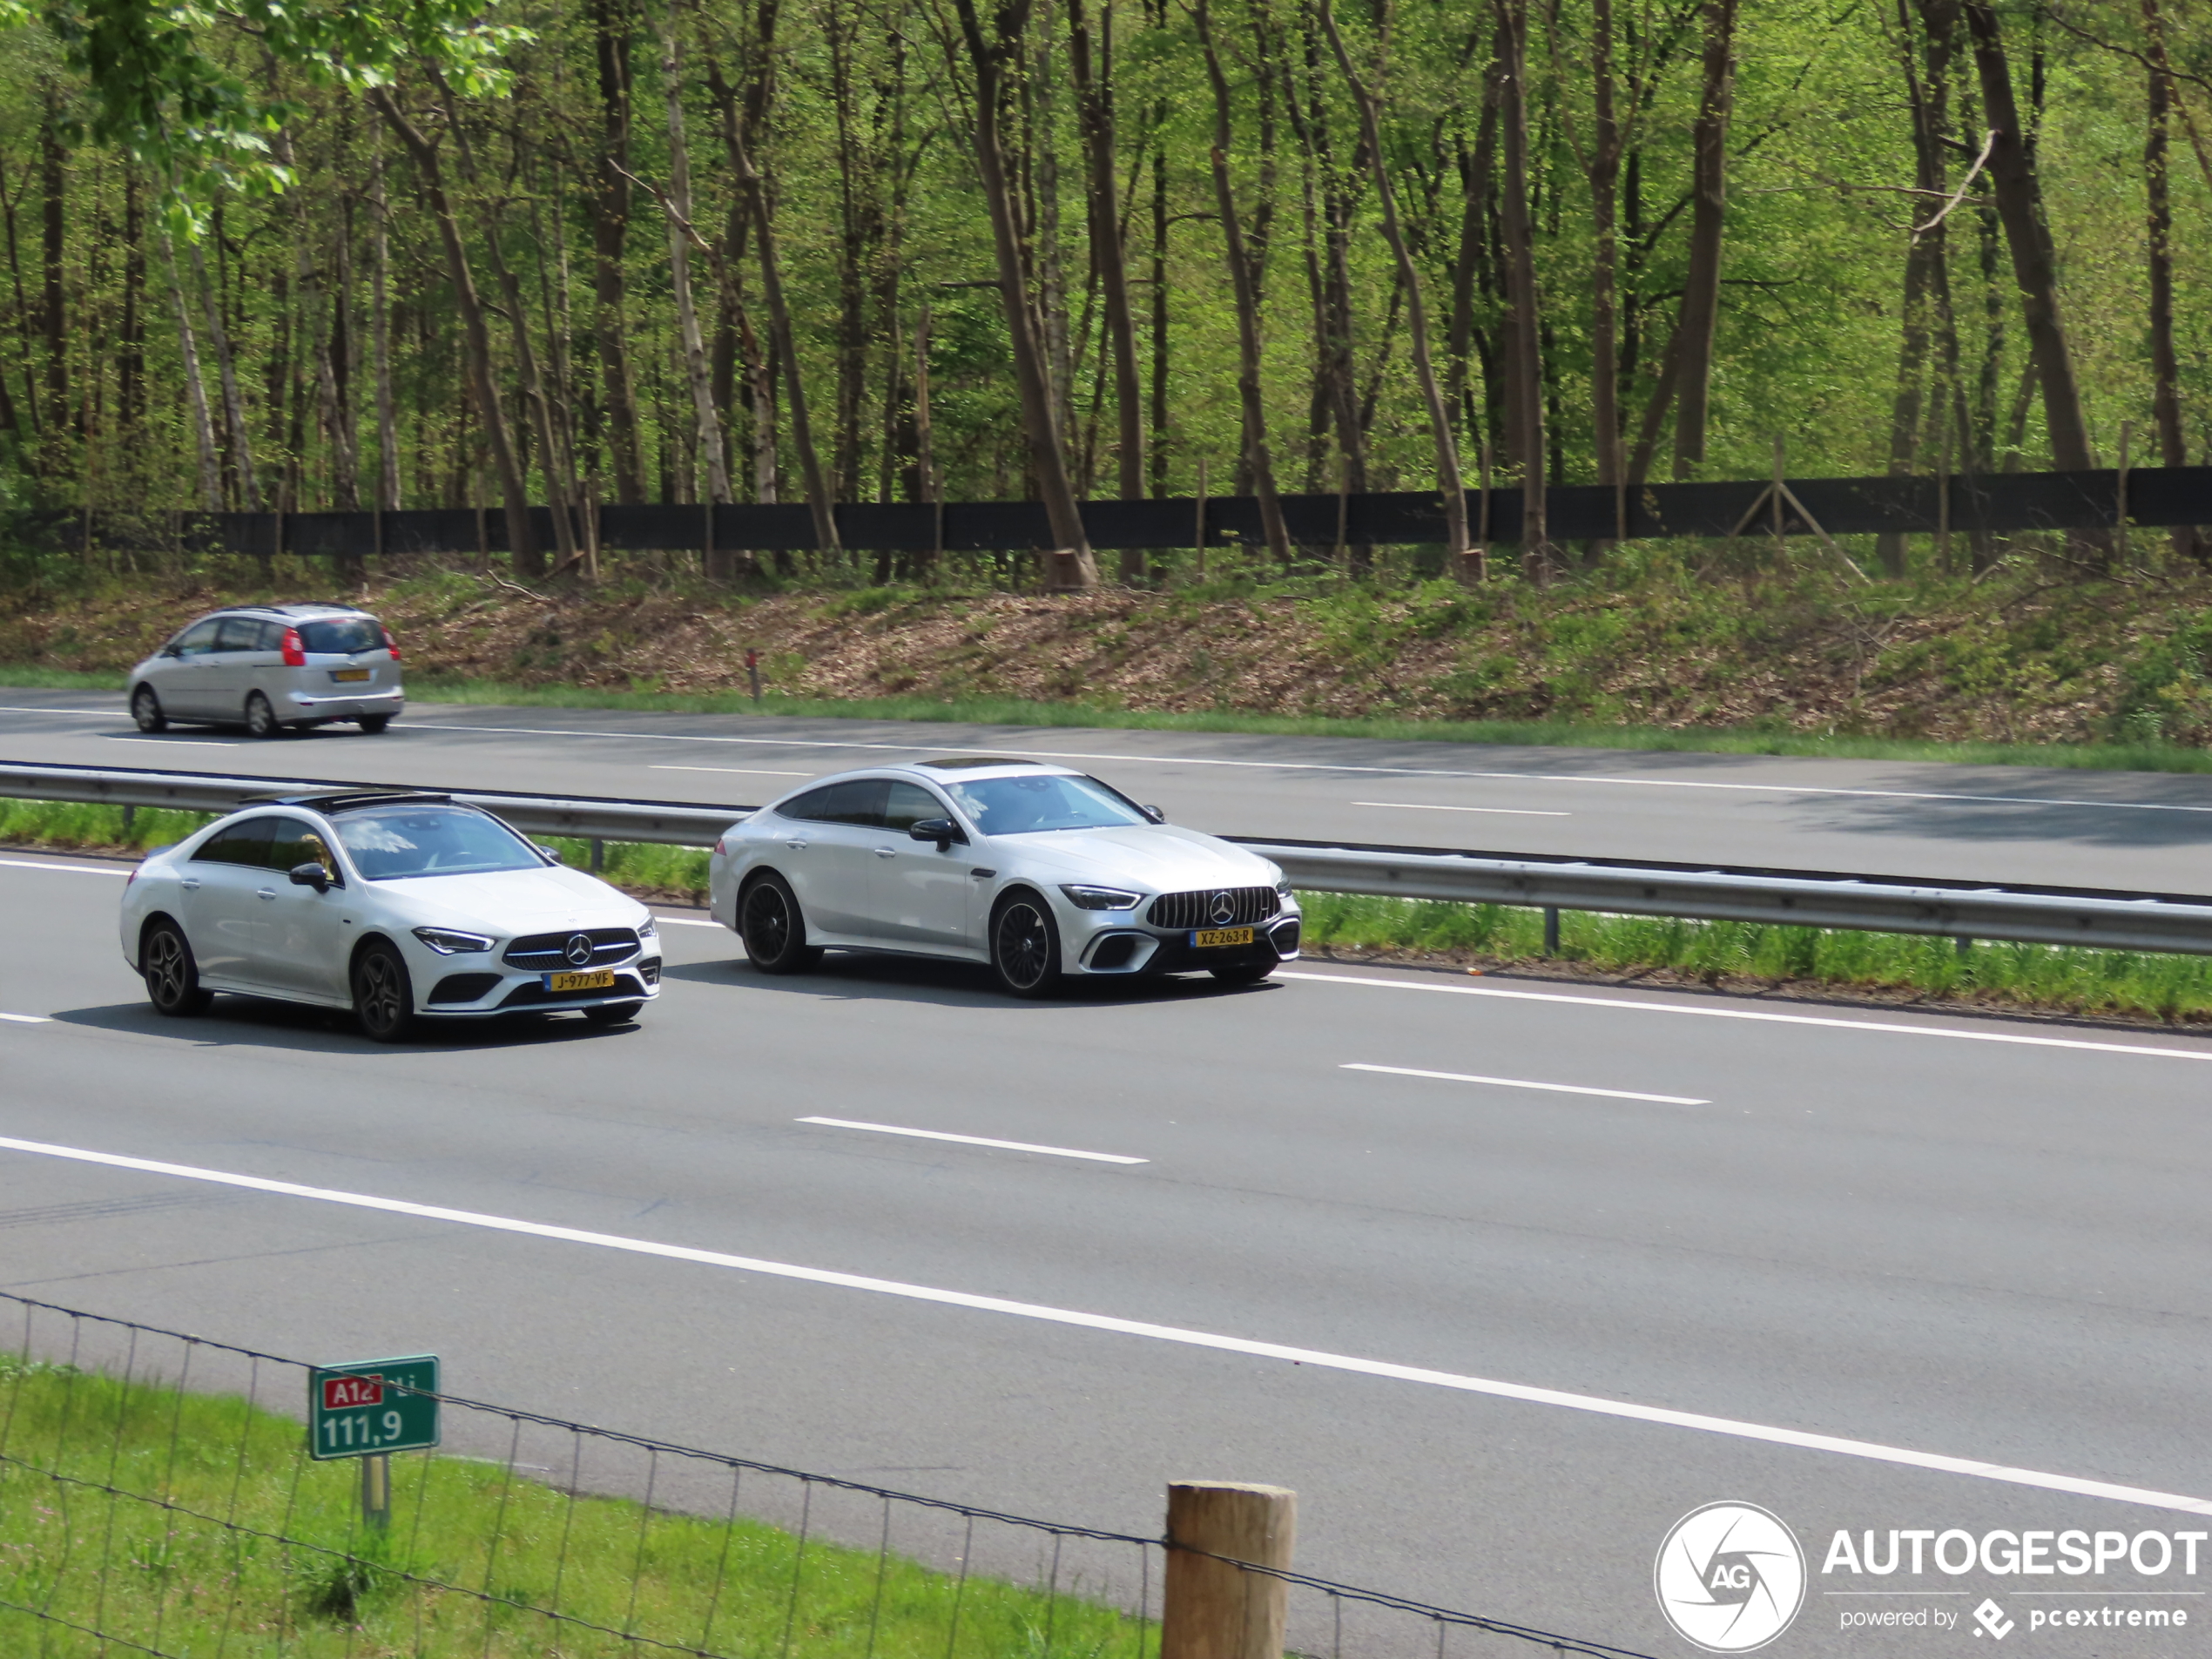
(342, 635)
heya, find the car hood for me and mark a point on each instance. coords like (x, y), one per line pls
(513, 901)
(1162, 857)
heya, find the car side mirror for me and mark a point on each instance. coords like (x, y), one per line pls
(1153, 814)
(172, 651)
(311, 874)
(942, 831)
(550, 855)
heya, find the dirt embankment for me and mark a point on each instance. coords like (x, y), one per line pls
(2011, 658)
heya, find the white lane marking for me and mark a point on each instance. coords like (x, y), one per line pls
(1426, 806)
(1760, 1014)
(742, 771)
(1516, 1083)
(1596, 1404)
(72, 869)
(684, 921)
(26, 1019)
(96, 714)
(1321, 765)
(974, 1140)
(181, 743)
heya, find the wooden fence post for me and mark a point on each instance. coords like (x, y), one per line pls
(1212, 1609)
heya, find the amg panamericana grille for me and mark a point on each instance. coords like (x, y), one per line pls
(1245, 907)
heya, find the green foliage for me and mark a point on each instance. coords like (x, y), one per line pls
(2040, 977)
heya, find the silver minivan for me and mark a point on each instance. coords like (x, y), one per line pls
(272, 668)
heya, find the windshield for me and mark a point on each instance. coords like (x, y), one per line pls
(342, 635)
(1041, 801)
(386, 843)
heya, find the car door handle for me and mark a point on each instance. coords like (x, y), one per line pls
(266, 893)
(886, 851)
(981, 874)
(191, 884)
(796, 846)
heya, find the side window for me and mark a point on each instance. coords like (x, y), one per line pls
(198, 639)
(294, 842)
(272, 637)
(238, 633)
(860, 801)
(244, 842)
(809, 808)
(909, 804)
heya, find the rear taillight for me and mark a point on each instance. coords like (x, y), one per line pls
(295, 654)
(721, 849)
(391, 644)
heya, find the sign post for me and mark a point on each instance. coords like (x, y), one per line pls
(369, 1410)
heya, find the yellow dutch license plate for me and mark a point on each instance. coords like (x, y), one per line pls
(1208, 938)
(349, 675)
(597, 979)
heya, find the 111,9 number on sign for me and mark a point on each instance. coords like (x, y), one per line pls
(376, 1406)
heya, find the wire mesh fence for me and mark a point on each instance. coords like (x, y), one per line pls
(158, 1496)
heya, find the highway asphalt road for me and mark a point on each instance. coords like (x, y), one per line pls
(1801, 1256)
(2146, 831)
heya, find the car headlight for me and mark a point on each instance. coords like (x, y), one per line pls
(646, 930)
(451, 941)
(1085, 898)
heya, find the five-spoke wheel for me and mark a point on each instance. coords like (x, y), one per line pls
(145, 711)
(261, 717)
(172, 977)
(383, 993)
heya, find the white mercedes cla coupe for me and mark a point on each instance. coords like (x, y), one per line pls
(1042, 872)
(398, 907)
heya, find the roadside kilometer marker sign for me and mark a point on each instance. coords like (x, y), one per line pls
(376, 1406)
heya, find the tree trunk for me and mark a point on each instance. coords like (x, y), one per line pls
(219, 340)
(1929, 96)
(1701, 297)
(1094, 100)
(521, 538)
(53, 314)
(2165, 400)
(1071, 563)
(1606, 142)
(131, 360)
(720, 565)
(819, 499)
(1258, 464)
(387, 426)
(203, 424)
(1456, 545)
(607, 204)
(1523, 300)
(2014, 182)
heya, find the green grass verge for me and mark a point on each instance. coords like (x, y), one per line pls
(2040, 977)
(1015, 711)
(2044, 977)
(129, 1568)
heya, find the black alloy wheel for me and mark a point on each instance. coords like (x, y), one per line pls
(612, 1012)
(261, 717)
(1243, 974)
(172, 976)
(383, 993)
(773, 930)
(145, 711)
(1025, 946)
(373, 723)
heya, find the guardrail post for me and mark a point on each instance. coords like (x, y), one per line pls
(1214, 1608)
(598, 855)
(1551, 930)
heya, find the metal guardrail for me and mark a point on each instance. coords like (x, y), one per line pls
(2105, 919)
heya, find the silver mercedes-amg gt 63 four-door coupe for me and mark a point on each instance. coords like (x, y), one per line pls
(1042, 872)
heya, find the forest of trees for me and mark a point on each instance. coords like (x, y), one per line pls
(860, 249)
